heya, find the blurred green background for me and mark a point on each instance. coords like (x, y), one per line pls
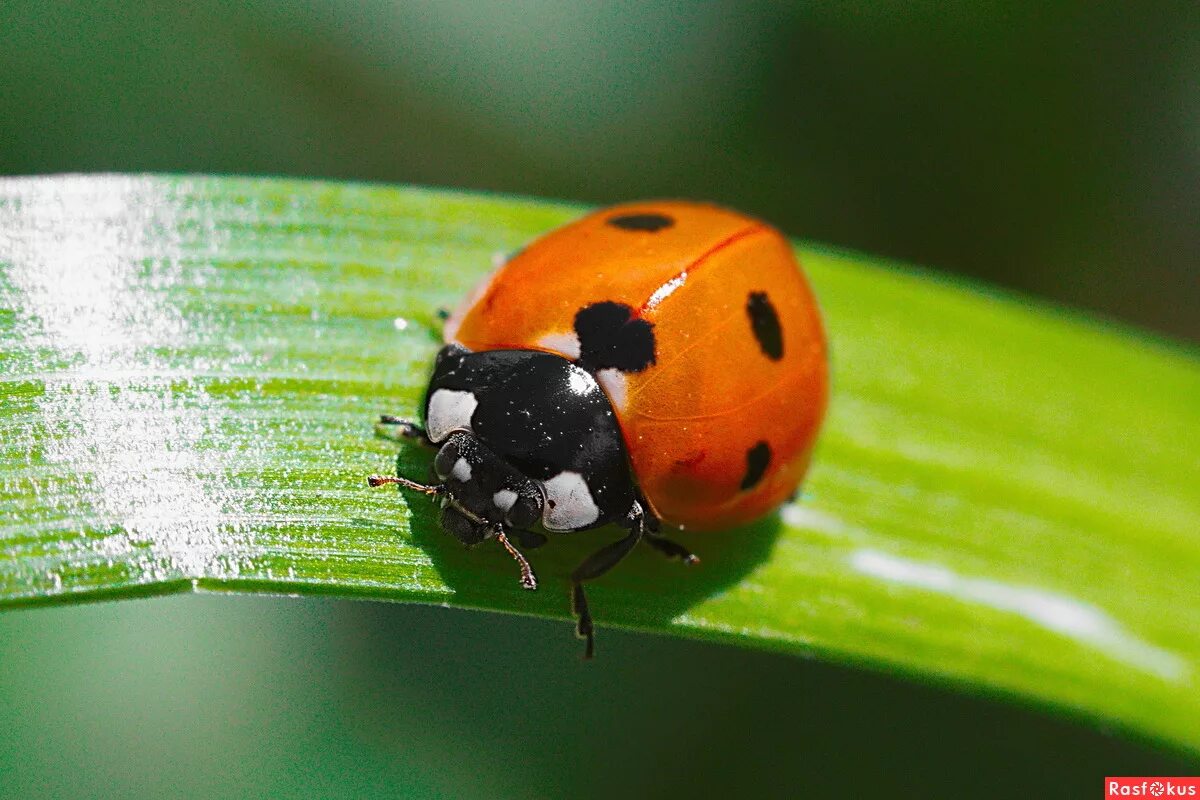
(1050, 148)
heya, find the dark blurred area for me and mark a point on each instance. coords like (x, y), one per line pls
(253, 697)
(1053, 149)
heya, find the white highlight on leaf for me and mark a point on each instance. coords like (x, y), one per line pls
(504, 499)
(809, 518)
(94, 276)
(449, 410)
(569, 504)
(1052, 611)
(565, 344)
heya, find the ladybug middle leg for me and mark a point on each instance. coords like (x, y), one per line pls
(668, 547)
(596, 565)
(671, 548)
(399, 429)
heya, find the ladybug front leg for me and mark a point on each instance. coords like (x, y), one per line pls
(399, 429)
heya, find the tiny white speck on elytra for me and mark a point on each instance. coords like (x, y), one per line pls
(449, 411)
(462, 470)
(569, 503)
(400, 323)
(504, 499)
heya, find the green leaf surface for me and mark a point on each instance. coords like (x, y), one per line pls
(1005, 497)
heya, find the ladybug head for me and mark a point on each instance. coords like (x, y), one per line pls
(482, 493)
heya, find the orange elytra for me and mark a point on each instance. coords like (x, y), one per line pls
(721, 423)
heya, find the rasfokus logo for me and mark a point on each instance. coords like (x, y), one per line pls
(1151, 787)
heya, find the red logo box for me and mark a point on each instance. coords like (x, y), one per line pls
(1117, 788)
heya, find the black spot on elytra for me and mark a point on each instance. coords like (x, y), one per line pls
(765, 324)
(758, 458)
(610, 336)
(651, 223)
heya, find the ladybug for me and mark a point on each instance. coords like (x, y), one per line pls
(655, 366)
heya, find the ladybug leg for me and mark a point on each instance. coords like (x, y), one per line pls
(668, 547)
(596, 565)
(401, 430)
(528, 579)
(671, 548)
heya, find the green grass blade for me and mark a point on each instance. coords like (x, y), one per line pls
(1004, 497)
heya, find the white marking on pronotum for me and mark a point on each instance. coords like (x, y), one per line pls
(612, 380)
(565, 344)
(666, 290)
(1055, 612)
(504, 499)
(569, 504)
(461, 470)
(449, 411)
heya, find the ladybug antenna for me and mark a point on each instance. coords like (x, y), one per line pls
(424, 488)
